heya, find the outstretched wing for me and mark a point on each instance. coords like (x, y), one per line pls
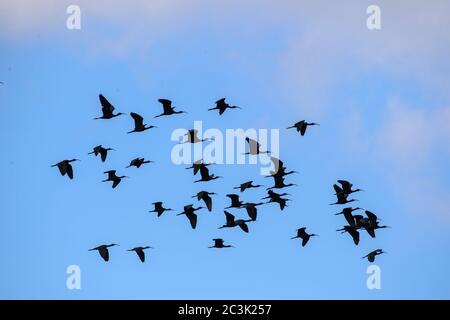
(141, 254)
(69, 170)
(104, 253)
(167, 105)
(229, 217)
(107, 107)
(138, 120)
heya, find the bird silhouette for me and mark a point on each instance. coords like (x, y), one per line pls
(248, 185)
(197, 165)
(371, 255)
(348, 215)
(280, 169)
(301, 126)
(192, 137)
(302, 234)
(107, 109)
(370, 223)
(139, 125)
(205, 196)
(114, 178)
(231, 222)
(341, 196)
(159, 208)
(138, 162)
(254, 147)
(235, 202)
(352, 231)
(221, 105)
(279, 183)
(168, 110)
(275, 197)
(218, 243)
(347, 187)
(189, 211)
(251, 209)
(204, 172)
(140, 252)
(103, 250)
(65, 167)
(103, 152)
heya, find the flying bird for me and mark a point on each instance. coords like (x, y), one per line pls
(279, 183)
(231, 222)
(352, 231)
(114, 178)
(139, 125)
(197, 165)
(280, 169)
(301, 126)
(159, 208)
(341, 196)
(138, 162)
(254, 147)
(189, 211)
(348, 215)
(251, 209)
(168, 110)
(371, 256)
(221, 105)
(204, 172)
(276, 197)
(205, 196)
(107, 109)
(191, 137)
(235, 202)
(140, 252)
(248, 185)
(100, 150)
(103, 250)
(302, 234)
(347, 187)
(65, 167)
(218, 243)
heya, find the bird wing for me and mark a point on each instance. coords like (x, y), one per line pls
(371, 232)
(347, 186)
(69, 170)
(302, 233)
(229, 217)
(116, 182)
(141, 254)
(218, 242)
(302, 128)
(103, 153)
(371, 257)
(252, 212)
(204, 172)
(220, 102)
(208, 201)
(192, 219)
(305, 241)
(337, 189)
(354, 234)
(234, 198)
(277, 163)
(167, 105)
(138, 120)
(253, 145)
(62, 166)
(104, 253)
(108, 108)
(243, 226)
(349, 217)
(372, 216)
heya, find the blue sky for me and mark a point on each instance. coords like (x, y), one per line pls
(381, 98)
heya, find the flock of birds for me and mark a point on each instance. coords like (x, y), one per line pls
(355, 223)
